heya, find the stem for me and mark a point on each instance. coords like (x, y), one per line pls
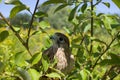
(108, 47)
(16, 33)
(31, 22)
(91, 46)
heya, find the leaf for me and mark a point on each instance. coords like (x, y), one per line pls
(19, 58)
(36, 32)
(115, 60)
(36, 58)
(106, 4)
(100, 14)
(23, 73)
(98, 40)
(84, 74)
(14, 2)
(117, 2)
(35, 75)
(60, 7)
(41, 14)
(53, 75)
(72, 14)
(2, 67)
(44, 24)
(3, 35)
(45, 62)
(115, 26)
(17, 9)
(84, 6)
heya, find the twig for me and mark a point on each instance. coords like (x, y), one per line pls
(16, 33)
(107, 73)
(92, 6)
(30, 26)
(105, 50)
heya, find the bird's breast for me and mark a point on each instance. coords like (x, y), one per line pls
(61, 58)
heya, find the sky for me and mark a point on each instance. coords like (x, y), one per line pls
(5, 9)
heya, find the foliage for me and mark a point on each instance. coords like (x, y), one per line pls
(94, 42)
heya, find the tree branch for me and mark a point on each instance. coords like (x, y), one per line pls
(92, 6)
(16, 33)
(108, 47)
(30, 25)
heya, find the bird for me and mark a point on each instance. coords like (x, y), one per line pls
(60, 50)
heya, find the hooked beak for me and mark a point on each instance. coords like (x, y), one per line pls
(52, 37)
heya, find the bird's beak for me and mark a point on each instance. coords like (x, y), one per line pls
(52, 37)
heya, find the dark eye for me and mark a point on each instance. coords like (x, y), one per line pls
(61, 39)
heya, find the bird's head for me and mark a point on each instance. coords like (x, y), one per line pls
(60, 40)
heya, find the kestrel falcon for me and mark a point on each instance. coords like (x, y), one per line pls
(60, 50)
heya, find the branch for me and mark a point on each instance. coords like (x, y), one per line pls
(92, 6)
(31, 22)
(108, 47)
(16, 33)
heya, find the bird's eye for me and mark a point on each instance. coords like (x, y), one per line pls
(61, 39)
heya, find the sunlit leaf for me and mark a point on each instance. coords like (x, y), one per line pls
(35, 75)
(14, 2)
(36, 32)
(36, 58)
(84, 6)
(117, 2)
(106, 4)
(44, 24)
(3, 35)
(60, 7)
(17, 9)
(53, 75)
(72, 13)
(23, 73)
(84, 74)
(45, 63)
(19, 58)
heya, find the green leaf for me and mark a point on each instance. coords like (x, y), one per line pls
(98, 40)
(115, 26)
(2, 67)
(60, 7)
(19, 58)
(35, 75)
(3, 35)
(84, 6)
(117, 2)
(115, 60)
(45, 62)
(36, 58)
(36, 32)
(23, 73)
(14, 2)
(84, 74)
(106, 4)
(53, 75)
(17, 9)
(72, 14)
(44, 24)
(41, 14)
